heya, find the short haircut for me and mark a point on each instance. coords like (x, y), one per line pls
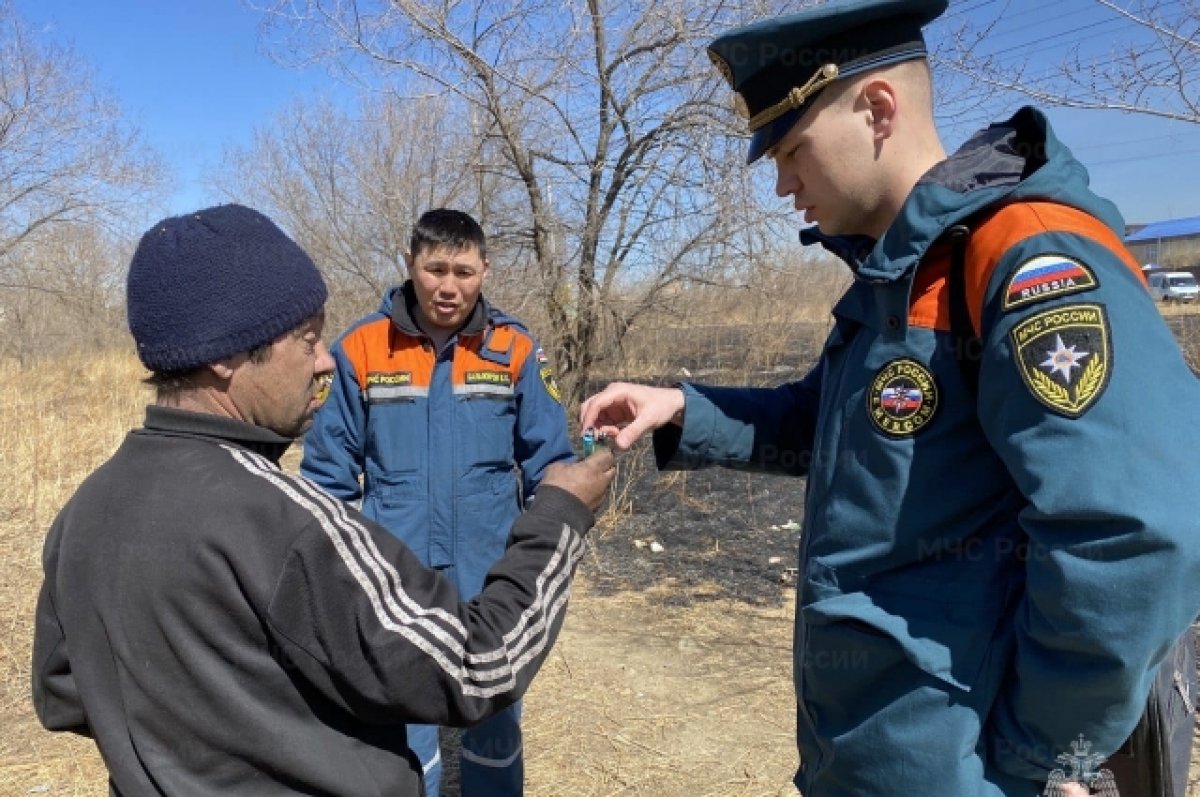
(449, 228)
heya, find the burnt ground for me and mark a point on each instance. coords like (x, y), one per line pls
(721, 531)
(723, 534)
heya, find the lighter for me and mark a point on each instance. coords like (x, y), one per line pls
(590, 440)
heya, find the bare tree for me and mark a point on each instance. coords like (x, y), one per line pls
(350, 185)
(602, 130)
(71, 293)
(66, 157)
(1151, 67)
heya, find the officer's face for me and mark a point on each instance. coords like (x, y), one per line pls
(447, 282)
(826, 163)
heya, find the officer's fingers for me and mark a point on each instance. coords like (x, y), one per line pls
(609, 405)
(588, 411)
(625, 438)
(607, 430)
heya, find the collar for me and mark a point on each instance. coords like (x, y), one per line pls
(175, 422)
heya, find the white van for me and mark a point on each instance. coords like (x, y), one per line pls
(1173, 286)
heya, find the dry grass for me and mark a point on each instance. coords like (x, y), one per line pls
(739, 332)
(60, 421)
(635, 700)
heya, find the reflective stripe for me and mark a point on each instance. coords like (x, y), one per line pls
(393, 392)
(494, 763)
(483, 389)
(433, 762)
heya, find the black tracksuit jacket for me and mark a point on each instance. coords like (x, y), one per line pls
(219, 626)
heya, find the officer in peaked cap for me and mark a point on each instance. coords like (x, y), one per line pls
(777, 67)
(963, 621)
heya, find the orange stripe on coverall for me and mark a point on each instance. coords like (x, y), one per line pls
(470, 358)
(379, 348)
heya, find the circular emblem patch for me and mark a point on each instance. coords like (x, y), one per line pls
(903, 398)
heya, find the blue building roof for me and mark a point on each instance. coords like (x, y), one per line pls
(1175, 228)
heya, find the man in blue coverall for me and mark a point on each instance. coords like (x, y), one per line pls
(1000, 541)
(438, 399)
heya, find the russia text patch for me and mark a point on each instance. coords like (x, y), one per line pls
(903, 398)
(1064, 356)
(1044, 277)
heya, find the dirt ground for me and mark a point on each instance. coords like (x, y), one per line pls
(672, 676)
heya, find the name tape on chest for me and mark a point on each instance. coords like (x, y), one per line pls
(489, 378)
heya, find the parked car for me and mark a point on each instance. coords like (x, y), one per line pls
(1173, 286)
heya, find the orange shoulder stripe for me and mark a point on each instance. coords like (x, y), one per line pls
(470, 356)
(374, 349)
(990, 239)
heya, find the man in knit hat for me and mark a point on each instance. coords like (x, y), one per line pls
(219, 626)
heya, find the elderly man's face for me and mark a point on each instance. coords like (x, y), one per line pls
(282, 391)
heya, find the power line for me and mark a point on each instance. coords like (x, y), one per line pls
(1061, 34)
(1127, 143)
(1132, 158)
(964, 8)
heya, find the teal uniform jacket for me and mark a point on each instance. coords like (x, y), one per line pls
(983, 581)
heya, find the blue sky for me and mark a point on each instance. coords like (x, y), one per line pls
(191, 74)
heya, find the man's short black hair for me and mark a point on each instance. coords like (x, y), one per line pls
(449, 228)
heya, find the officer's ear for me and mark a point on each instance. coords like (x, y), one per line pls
(408, 263)
(879, 95)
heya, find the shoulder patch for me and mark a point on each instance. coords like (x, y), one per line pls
(551, 385)
(1044, 277)
(903, 398)
(1064, 356)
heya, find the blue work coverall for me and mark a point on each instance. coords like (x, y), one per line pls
(445, 443)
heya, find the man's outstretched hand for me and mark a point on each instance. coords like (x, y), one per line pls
(588, 480)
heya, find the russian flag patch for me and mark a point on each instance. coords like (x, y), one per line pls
(1044, 277)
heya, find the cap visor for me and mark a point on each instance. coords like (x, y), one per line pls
(769, 134)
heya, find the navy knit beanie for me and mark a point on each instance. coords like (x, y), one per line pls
(215, 283)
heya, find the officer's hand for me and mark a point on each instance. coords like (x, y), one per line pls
(623, 412)
(587, 480)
